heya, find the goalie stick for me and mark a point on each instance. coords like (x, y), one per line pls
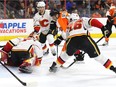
(82, 54)
(1, 46)
(23, 83)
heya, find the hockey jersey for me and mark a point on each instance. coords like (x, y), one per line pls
(112, 14)
(62, 21)
(43, 21)
(80, 27)
(22, 44)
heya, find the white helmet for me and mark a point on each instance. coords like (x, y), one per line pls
(41, 4)
(74, 16)
(112, 6)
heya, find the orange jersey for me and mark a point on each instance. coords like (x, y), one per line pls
(112, 13)
(62, 21)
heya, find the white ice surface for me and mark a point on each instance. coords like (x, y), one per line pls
(88, 74)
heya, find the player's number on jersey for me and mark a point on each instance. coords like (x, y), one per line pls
(75, 25)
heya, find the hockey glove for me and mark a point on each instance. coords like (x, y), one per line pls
(58, 40)
(36, 29)
(105, 31)
(53, 32)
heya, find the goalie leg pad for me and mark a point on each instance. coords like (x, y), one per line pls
(25, 68)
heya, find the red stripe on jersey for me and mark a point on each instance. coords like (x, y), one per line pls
(31, 50)
(7, 48)
(60, 60)
(108, 63)
(77, 52)
(44, 47)
(38, 61)
(96, 23)
(51, 45)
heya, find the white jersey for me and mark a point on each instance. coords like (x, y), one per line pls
(78, 27)
(43, 21)
(27, 45)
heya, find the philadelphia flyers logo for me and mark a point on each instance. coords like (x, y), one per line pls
(44, 23)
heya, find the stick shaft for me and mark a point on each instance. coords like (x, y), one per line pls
(23, 83)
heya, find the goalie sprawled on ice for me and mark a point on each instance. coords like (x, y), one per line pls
(23, 53)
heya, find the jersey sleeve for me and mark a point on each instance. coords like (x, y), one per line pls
(86, 23)
(36, 20)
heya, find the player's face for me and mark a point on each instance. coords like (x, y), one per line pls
(41, 9)
(55, 17)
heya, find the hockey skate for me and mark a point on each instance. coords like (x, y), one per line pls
(25, 67)
(46, 52)
(105, 43)
(53, 68)
(53, 52)
(79, 57)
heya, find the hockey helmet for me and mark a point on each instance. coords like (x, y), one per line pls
(74, 16)
(41, 4)
(54, 12)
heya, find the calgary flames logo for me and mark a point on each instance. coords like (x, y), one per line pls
(44, 23)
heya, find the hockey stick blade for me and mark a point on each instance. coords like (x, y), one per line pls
(23, 83)
(1, 46)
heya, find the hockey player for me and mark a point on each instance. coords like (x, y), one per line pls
(42, 21)
(111, 15)
(79, 39)
(23, 53)
(62, 23)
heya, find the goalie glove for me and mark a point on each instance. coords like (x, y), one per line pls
(58, 40)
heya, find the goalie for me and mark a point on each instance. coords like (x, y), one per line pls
(23, 53)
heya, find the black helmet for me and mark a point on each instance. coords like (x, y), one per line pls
(54, 12)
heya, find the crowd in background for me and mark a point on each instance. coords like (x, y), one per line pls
(27, 8)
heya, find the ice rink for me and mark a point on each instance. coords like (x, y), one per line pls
(90, 73)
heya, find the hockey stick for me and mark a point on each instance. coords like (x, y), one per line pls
(1, 46)
(57, 51)
(23, 83)
(100, 39)
(82, 54)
